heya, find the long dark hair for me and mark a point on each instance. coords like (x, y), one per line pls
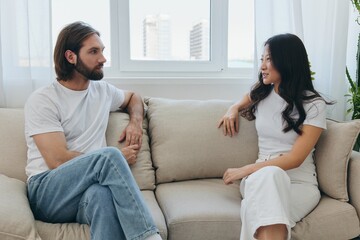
(71, 38)
(289, 58)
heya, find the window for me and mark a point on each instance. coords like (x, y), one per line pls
(94, 12)
(162, 38)
(241, 34)
(159, 30)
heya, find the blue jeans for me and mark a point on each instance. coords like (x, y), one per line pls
(96, 189)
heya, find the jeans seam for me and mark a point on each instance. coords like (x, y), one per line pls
(132, 196)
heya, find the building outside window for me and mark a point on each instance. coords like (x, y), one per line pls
(199, 41)
(157, 37)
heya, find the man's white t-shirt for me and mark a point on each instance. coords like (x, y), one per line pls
(81, 115)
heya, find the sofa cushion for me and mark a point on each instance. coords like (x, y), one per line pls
(332, 155)
(63, 230)
(331, 219)
(16, 218)
(208, 209)
(354, 181)
(156, 212)
(12, 143)
(186, 143)
(142, 170)
(201, 209)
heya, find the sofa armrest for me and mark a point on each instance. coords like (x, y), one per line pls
(354, 181)
(16, 218)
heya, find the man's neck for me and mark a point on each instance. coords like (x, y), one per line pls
(77, 83)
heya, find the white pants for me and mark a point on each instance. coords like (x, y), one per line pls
(271, 196)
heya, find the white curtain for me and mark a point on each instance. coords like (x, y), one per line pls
(323, 26)
(26, 53)
(25, 49)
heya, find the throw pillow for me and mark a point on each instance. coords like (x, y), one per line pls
(332, 156)
(186, 143)
(16, 218)
(142, 170)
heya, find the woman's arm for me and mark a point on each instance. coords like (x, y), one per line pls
(293, 159)
(230, 120)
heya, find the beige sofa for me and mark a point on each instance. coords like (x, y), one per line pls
(179, 171)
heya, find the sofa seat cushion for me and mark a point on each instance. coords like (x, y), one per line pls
(62, 231)
(71, 231)
(331, 219)
(16, 219)
(186, 143)
(156, 212)
(208, 209)
(200, 209)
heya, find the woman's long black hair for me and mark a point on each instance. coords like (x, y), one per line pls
(289, 58)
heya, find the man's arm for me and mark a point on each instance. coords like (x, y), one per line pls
(133, 132)
(53, 148)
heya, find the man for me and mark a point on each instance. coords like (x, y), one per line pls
(73, 176)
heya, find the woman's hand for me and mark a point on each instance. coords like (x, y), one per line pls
(233, 174)
(230, 121)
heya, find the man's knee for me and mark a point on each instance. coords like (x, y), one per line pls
(114, 153)
(98, 194)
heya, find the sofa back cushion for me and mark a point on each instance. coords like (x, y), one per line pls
(186, 143)
(332, 156)
(13, 149)
(142, 170)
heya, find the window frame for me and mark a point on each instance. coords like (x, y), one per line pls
(216, 67)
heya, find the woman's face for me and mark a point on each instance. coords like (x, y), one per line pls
(269, 73)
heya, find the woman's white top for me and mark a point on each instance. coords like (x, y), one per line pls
(270, 124)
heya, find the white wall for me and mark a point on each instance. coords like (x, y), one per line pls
(201, 89)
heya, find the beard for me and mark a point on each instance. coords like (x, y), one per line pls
(91, 74)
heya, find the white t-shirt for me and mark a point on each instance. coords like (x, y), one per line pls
(81, 115)
(270, 124)
(273, 141)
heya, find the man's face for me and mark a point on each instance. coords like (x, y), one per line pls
(90, 59)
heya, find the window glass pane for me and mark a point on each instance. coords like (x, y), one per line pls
(169, 30)
(94, 12)
(241, 33)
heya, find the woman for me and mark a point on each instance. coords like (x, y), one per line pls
(280, 188)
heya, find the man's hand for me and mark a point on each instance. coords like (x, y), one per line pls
(130, 153)
(132, 134)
